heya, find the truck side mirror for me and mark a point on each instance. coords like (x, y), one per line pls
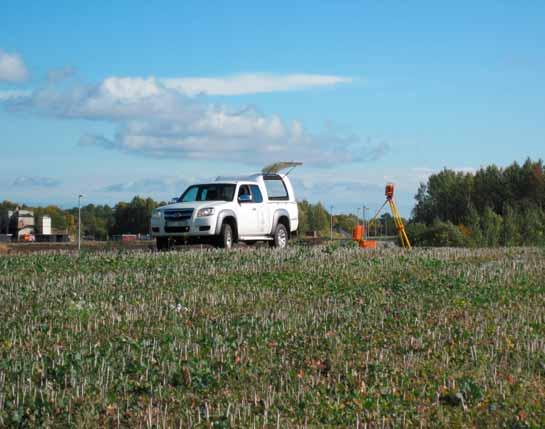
(245, 198)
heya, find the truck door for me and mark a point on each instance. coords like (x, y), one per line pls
(262, 215)
(247, 212)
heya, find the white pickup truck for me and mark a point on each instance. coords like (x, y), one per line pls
(259, 207)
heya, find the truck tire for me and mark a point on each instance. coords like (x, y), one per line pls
(163, 244)
(225, 239)
(280, 237)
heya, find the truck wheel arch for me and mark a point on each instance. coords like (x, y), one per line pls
(227, 216)
(281, 216)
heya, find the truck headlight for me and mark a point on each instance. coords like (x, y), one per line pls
(207, 211)
(156, 214)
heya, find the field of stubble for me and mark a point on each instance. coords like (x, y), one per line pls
(263, 338)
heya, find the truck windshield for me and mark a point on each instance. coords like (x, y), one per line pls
(208, 192)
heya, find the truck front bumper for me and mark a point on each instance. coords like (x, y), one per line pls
(198, 227)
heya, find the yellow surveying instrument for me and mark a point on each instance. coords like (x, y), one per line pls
(359, 232)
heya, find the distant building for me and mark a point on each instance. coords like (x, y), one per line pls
(22, 227)
(21, 224)
(44, 225)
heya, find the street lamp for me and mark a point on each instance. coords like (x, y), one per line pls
(364, 209)
(80, 196)
(331, 222)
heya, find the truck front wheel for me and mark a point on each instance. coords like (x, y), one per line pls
(225, 239)
(163, 243)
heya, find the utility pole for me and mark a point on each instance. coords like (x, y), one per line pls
(364, 209)
(331, 222)
(80, 196)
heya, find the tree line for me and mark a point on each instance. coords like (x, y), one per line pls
(492, 206)
(101, 222)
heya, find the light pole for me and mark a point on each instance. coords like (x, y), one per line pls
(364, 209)
(331, 222)
(80, 196)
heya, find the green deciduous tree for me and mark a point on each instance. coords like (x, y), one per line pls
(491, 226)
(318, 218)
(57, 215)
(511, 227)
(133, 217)
(497, 205)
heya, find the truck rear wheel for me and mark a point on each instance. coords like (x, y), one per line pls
(225, 239)
(280, 238)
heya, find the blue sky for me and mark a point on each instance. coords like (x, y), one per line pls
(144, 98)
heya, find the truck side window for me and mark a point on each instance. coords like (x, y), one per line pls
(256, 194)
(243, 190)
(276, 189)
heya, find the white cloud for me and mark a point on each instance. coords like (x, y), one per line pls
(155, 120)
(251, 83)
(422, 174)
(131, 88)
(148, 185)
(12, 67)
(35, 181)
(14, 94)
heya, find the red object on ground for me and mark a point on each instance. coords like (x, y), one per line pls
(357, 233)
(368, 244)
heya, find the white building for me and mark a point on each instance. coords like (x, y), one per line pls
(44, 225)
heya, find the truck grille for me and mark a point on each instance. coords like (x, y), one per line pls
(178, 214)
